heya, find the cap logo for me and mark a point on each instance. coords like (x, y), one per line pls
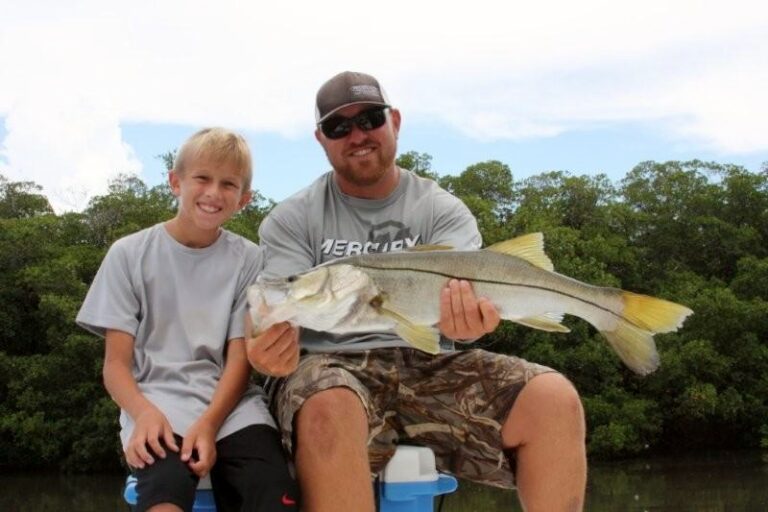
(363, 91)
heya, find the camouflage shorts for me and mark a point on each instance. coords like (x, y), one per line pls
(454, 403)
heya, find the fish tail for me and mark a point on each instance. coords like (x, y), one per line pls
(642, 317)
(634, 346)
(652, 314)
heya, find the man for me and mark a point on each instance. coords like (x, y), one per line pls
(490, 418)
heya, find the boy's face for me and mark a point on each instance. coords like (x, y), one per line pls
(209, 194)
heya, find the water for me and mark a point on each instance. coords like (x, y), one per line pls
(714, 482)
(719, 482)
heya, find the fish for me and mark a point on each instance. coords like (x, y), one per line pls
(399, 292)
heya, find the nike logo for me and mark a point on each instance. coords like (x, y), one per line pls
(285, 500)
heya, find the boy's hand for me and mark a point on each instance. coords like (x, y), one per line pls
(462, 315)
(201, 438)
(274, 352)
(151, 428)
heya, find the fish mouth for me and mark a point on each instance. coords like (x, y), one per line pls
(281, 282)
(273, 289)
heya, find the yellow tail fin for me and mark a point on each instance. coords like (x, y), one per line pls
(652, 314)
(644, 316)
(634, 346)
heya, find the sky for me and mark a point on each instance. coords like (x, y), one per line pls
(91, 89)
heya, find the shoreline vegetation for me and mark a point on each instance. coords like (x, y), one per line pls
(692, 232)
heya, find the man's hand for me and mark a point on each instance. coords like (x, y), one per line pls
(462, 315)
(274, 352)
(150, 429)
(201, 437)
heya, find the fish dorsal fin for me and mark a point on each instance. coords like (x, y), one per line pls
(422, 248)
(528, 247)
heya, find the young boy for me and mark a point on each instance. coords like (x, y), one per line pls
(170, 302)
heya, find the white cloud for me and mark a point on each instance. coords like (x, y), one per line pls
(70, 145)
(71, 72)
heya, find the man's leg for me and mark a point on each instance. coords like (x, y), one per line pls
(331, 451)
(546, 426)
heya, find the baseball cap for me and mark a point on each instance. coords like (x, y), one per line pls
(348, 88)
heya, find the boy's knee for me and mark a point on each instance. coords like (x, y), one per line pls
(166, 481)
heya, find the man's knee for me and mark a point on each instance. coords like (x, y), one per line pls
(328, 415)
(548, 401)
(554, 392)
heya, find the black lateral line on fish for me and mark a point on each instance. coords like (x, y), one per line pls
(488, 281)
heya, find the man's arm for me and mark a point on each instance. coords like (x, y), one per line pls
(274, 352)
(463, 316)
(151, 424)
(286, 245)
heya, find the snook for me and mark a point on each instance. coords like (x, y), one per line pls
(400, 291)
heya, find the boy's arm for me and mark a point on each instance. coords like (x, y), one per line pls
(151, 425)
(232, 384)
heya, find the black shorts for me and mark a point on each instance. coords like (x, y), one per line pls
(250, 475)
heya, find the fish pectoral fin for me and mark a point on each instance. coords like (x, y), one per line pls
(528, 247)
(422, 248)
(422, 337)
(549, 322)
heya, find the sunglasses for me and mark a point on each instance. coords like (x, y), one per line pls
(338, 127)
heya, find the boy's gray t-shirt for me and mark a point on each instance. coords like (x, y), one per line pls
(320, 223)
(181, 305)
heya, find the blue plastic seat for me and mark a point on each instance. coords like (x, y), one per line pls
(409, 483)
(203, 497)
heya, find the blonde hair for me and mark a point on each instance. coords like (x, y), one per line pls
(217, 145)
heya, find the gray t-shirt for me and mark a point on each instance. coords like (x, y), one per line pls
(181, 305)
(320, 223)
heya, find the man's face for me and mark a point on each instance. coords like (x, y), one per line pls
(363, 159)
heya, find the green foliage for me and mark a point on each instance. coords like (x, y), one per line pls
(128, 207)
(692, 232)
(246, 222)
(21, 199)
(420, 163)
(751, 280)
(620, 424)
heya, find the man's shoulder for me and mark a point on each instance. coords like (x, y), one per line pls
(295, 206)
(300, 197)
(427, 189)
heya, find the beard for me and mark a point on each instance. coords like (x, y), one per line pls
(365, 172)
